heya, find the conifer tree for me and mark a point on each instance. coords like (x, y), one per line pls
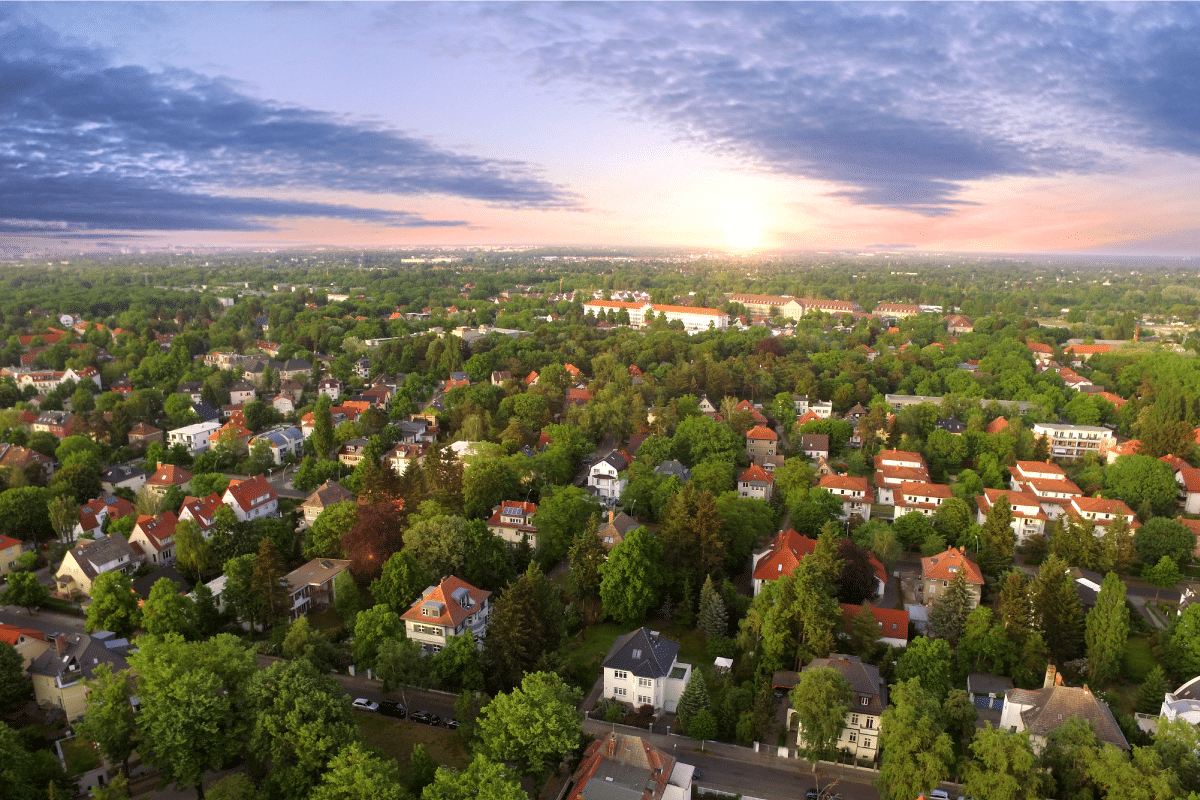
(1057, 610)
(999, 539)
(714, 620)
(949, 614)
(693, 700)
(1149, 696)
(1107, 630)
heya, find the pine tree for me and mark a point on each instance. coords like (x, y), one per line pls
(999, 539)
(693, 700)
(714, 620)
(1107, 630)
(271, 591)
(1149, 696)
(949, 614)
(322, 435)
(1057, 610)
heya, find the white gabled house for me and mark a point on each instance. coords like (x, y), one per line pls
(642, 669)
(451, 608)
(606, 477)
(251, 499)
(855, 494)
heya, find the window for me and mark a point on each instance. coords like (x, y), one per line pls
(870, 722)
(854, 719)
(620, 674)
(866, 743)
(864, 700)
(645, 682)
(644, 700)
(853, 738)
(619, 692)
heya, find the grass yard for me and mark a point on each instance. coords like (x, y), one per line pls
(1137, 660)
(591, 646)
(80, 755)
(397, 737)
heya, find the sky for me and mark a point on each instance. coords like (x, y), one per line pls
(992, 127)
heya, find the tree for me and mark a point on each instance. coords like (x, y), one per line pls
(114, 605)
(301, 719)
(168, 611)
(35, 775)
(356, 773)
(401, 662)
(25, 513)
(239, 594)
(1004, 767)
(713, 619)
(1150, 693)
(952, 517)
(911, 529)
(856, 581)
(401, 581)
(958, 718)
(534, 725)
(192, 716)
(488, 483)
(631, 578)
(324, 539)
(1165, 537)
(347, 601)
(560, 517)
(1139, 778)
(949, 613)
(525, 625)
(928, 662)
(822, 697)
(371, 628)
(999, 539)
(14, 688)
(111, 720)
(422, 768)
(693, 699)
(1181, 655)
(1057, 610)
(270, 588)
(193, 555)
(1139, 479)
(64, 516)
(482, 780)
(586, 556)
(1106, 631)
(916, 753)
(456, 666)
(24, 589)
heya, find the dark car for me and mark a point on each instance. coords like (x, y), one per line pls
(425, 718)
(390, 708)
(811, 794)
(451, 723)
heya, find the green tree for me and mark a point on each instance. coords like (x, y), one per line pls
(401, 581)
(1139, 479)
(952, 517)
(25, 513)
(24, 589)
(347, 601)
(703, 725)
(1165, 537)
(193, 555)
(14, 688)
(482, 780)
(372, 627)
(302, 641)
(916, 753)
(1180, 654)
(693, 699)
(111, 720)
(561, 516)
(1107, 628)
(958, 718)
(168, 611)
(301, 719)
(270, 588)
(488, 483)
(239, 594)
(324, 539)
(690, 535)
(357, 773)
(35, 775)
(456, 666)
(927, 661)
(911, 529)
(713, 618)
(64, 516)
(949, 613)
(401, 662)
(526, 624)
(822, 697)
(586, 556)
(999, 539)
(422, 769)
(1138, 778)
(631, 578)
(534, 726)
(114, 605)
(1150, 693)
(1004, 767)
(1057, 611)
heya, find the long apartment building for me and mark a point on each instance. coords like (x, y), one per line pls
(791, 307)
(695, 319)
(1075, 441)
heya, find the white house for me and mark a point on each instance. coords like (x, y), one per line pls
(1183, 703)
(251, 499)
(1029, 519)
(193, 437)
(855, 494)
(1040, 711)
(1074, 441)
(860, 733)
(155, 536)
(283, 441)
(641, 668)
(923, 497)
(451, 608)
(606, 475)
(756, 482)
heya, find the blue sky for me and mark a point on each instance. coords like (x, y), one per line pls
(982, 127)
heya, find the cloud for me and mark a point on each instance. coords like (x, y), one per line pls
(91, 144)
(899, 105)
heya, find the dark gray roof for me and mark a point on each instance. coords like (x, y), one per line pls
(982, 683)
(643, 653)
(672, 467)
(144, 584)
(864, 679)
(206, 412)
(81, 654)
(121, 472)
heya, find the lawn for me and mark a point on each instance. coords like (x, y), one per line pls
(590, 647)
(80, 755)
(1137, 660)
(397, 737)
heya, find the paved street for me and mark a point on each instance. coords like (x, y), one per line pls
(41, 620)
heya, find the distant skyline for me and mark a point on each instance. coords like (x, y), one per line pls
(994, 127)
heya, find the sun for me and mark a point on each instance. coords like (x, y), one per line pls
(743, 233)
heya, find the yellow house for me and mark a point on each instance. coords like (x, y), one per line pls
(10, 550)
(83, 563)
(60, 671)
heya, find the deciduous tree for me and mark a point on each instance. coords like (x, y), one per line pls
(114, 605)
(631, 578)
(168, 611)
(916, 753)
(111, 720)
(24, 589)
(357, 773)
(1004, 767)
(533, 726)
(822, 697)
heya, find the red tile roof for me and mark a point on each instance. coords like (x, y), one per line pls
(893, 622)
(251, 493)
(996, 425)
(1015, 499)
(757, 474)
(759, 432)
(788, 548)
(453, 613)
(945, 565)
(169, 475)
(159, 530)
(845, 482)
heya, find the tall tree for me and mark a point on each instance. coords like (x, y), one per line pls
(24, 589)
(14, 688)
(193, 555)
(631, 578)
(561, 515)
(691, 535)
(322, 435)
(526, 624)
(916, 753)
(64, 516)
(587, 555)
(693, 699)
(401, 662)
(1107, 628)
(372, 628)
(324, 538)
(168, 611)
(401, 581)
(999, 539)
(358, 773)
(456, 667)
(822, 697)
(111, 720)
(713, 618)
(949, 613)
(1004, 767)
(1057, 610)
(535, 725)
(928, 662)
(269, 585)
(481, 780)
(114, 605)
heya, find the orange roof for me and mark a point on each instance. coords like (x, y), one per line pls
(614, 304)
(1044, 485)
(202, 509)
(921, 489)
(712, 312)
(996, 425)
(7, 542)
(1037, 347)
(159, 530)
(946, 564)
(759, 432)
(1191, 479)
(452, 611)
(169, 475)
(245, 493)
(746, 405)
(899, 475)
(811, 416)
(571, 368)
(1115, 399)
(1101, 505)
(757, 474)
(845, 482)
(787, 549)
(898, 455)
(990, 496)
(9, 634)
(1087, 349)
(893, 622)
(531, 378)
(1045, 467)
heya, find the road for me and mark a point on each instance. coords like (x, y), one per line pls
(44, 621)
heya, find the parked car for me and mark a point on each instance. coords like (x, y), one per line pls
(363, 704)
(425, 718)
(451, 723)
(939, 794)
(390, 708)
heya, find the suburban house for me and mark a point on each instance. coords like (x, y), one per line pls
(311, 587)
(10, 551)
(1183, 703)
(1099, 512)
(166, 476)
(894, 468)
(1188, 478)
(402, 456)
(761, 442)
(512, 521)
(93, 514)
(1028, 518)
(193, 437)
(1074, 441)
(327, 494)
(330, 387)
(814, 445)
(1047, 482)
(860, 733)
(669, 467)
(756, 482)
(18, 459)
(60, 670)
(241, 392)
(938, 571)
(142, 435)
(451, 608)
(233, 434)
(892, 622)
(90, 558)
(613, 532)
(922, 497)
(641, 669)
(1040, 711)
(605, 477)
(122, 476)
(202, 511)
(251, 499)
(855, 494)
(624, 767)
(155, 537)
(352, 452)
(283, 442)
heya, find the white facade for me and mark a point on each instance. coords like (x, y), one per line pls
(193, 437)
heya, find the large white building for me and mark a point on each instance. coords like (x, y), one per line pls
(694, 318)
(1075, 441)
(641, 669)
(193, 437)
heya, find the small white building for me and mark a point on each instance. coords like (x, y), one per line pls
(641, 668)
(607, 476)
(251, 499)
(193, 437)
(855, 494)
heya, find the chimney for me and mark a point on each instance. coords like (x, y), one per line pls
(1052, 677)
(60, 643)
(612, 513)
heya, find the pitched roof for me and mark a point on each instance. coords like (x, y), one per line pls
(893, 622)
(316, 572)
(784, 554)
(643, 653)
(996, 425)
(1191, 478)
(327, 494)
(1056, 704)
(864, 679)
(160, 530)
(11, 634)
(453, 600)
(989, 497)
(947, 564)
(760, 432)
(169, 475)
(756, 474)
(251, 493)
(807, 417)
(202, 510)
(845, 482)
